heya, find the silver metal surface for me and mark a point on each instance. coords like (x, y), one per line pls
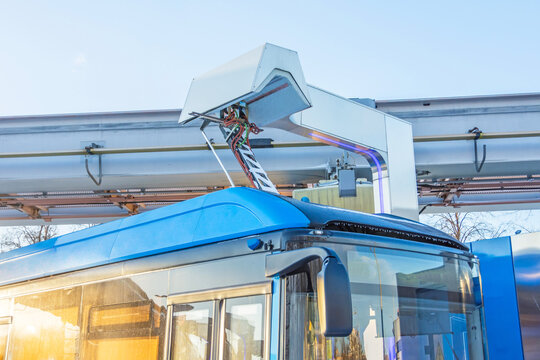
(263, 77)
(448, 117)
(231, 249)
(471, 136)
(216, 329)
(210, 275)
(168, 331)
(221, 324)
(384, 141)
(262, 288)
(268, 323)
(526, 257)
(145, 150)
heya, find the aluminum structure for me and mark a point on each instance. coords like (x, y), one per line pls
(149, 161)
(510, 269)
(500, 170)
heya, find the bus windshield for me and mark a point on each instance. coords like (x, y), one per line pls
(406, 305)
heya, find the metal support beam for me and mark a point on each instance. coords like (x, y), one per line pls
(32, 211)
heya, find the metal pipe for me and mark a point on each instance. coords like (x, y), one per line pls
(483, 203)
(103, 151)
(472, 136)
(96, 151)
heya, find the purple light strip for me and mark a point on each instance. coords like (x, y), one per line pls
(355, 149)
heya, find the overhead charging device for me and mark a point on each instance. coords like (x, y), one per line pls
(266, 88)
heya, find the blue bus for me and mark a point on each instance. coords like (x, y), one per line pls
(243, 274)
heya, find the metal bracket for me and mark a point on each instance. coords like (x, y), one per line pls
(100, 172)
(477, 133)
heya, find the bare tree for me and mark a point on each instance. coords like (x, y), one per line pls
(27, 235)
(466, 227)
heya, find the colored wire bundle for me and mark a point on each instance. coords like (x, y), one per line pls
(237, 119)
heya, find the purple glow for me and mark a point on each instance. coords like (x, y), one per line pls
(355, 149)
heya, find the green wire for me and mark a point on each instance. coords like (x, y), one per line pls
(245, 136)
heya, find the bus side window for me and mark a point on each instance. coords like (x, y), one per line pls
(46, 325)
(4, 329)
(244, 328)
(5, 321)
(192, 328)
(124, 319)
(234, 328)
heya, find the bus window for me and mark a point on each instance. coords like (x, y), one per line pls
(214, 326)
(428, 303)
(244, 328)
(46, 325)
(5, 320)
(4, 328)
(124, 318)
(302, 314)
(192, 326)
(406, 305)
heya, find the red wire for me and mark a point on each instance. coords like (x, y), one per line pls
(232, 120)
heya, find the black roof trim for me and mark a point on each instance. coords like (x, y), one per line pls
(331, 218)
(394, 233)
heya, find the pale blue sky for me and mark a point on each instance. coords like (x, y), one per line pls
(74, 56)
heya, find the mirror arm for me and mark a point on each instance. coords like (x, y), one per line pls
(286, 263)
(334, 292)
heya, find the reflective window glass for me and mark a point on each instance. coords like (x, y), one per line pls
(406, 305)
(302, 313)
(192, 326)
(5, 307)
(428, 307)
(124, 319)
(46, 325)
(5, 320)
(3, 339)
(244, 328)
(117, 319)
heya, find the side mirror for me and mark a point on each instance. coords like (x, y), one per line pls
(334, 299)
(333, 286)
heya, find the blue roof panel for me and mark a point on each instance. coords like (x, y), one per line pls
(211, 218)
(218, 216)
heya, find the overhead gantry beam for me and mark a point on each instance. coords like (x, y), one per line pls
(33, 212)
(42, 157)
(64, 208)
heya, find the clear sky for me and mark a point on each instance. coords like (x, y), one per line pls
(61, 56)
(75, 56)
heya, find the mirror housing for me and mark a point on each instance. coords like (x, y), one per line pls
(333, 286)
(334, 298)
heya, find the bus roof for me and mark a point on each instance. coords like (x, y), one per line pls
(218, 216)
